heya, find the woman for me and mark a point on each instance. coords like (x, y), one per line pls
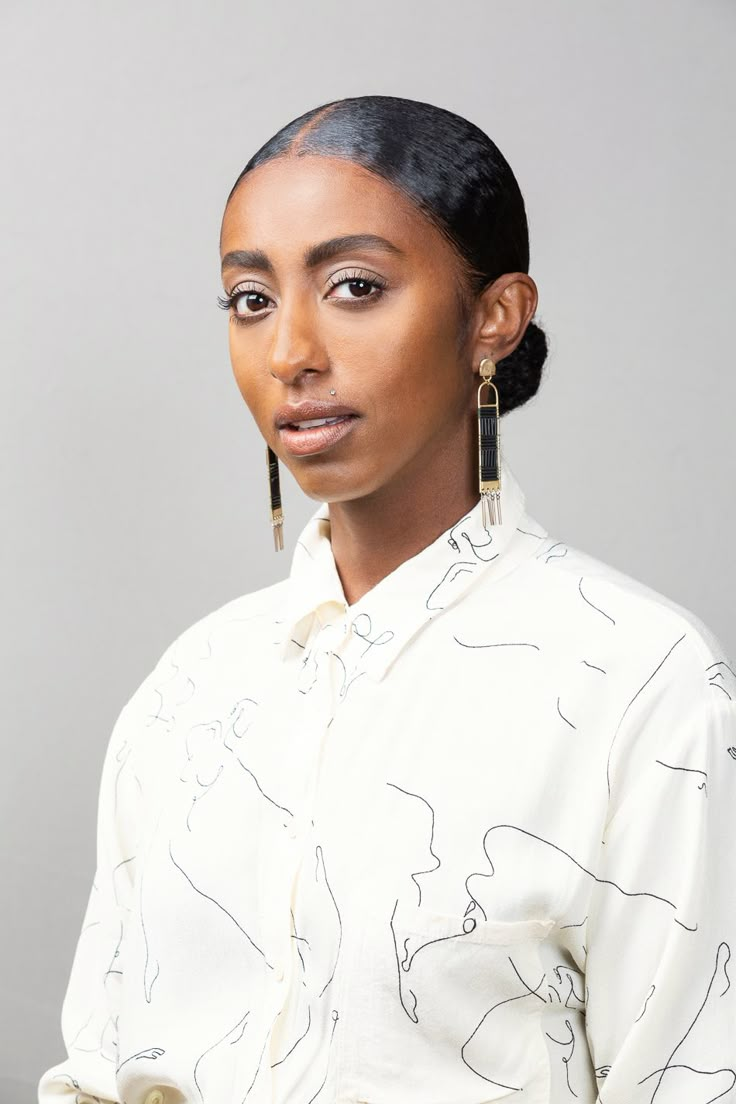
(446, 816)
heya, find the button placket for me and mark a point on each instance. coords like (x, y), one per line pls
(318, 681)
(326, 678)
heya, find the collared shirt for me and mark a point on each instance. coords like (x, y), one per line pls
(469, 839)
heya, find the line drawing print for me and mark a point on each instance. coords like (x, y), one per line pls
(568, 722)
(592, 604)
(242, 717)
(566, 1058)
(479, 867)
(478, 548)
(561, 851)
(690, 770)
(723, 957)
(150, 1052)
(644, 685)
(718, 678)
(151, 968)
(414, 876)
(563, 987)
(547, 552)
(219, 905)
(318, 954)
(593, 666)
(362, 628)
(650, 994)
(483, 1023)
(232, 1036)
(347, 679)
(503, 644)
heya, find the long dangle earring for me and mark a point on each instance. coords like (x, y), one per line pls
(274, 487)
(489, 445)
(277, 514)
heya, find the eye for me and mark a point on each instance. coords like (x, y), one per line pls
(249, 296)
(360, 281)
(243, 299)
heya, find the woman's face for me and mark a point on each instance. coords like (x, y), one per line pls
(387, 346)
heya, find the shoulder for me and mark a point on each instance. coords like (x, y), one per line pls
(669, 685)
(618, 607)
(231, 637)
(674, 684)
(243, 619)
(661, 666)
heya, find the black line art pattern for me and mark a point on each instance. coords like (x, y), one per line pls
(568, 1045)
(523, 832)
(473, 1056)
(232, 1036)
(151, 1053)
(318, 954)
(503, 644)
(593, 605)
(641, 689)
(428, 877)
(556, 551)
(594, 667)
(437, 862)
(220, 906)
(718, 985)
(702, 785)
(650, 994)
(479, 548)
(362, 627)
(721, 677)
(565, 719)
(566, 986)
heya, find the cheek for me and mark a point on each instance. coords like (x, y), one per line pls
(250, 388)
(416, 383)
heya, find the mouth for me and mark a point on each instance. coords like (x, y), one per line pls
(315, 434)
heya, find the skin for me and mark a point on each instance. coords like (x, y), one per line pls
(408, 469)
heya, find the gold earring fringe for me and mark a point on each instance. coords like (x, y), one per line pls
(489, 454)
(274, 487)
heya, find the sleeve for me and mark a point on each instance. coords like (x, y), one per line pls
(90, 1007)
(661, 931)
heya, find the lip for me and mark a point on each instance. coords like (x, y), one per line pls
(304, 442)
(308, 409)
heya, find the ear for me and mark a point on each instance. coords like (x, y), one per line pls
(504, 311)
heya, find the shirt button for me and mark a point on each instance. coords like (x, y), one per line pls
(155, 1097)
(278, 974)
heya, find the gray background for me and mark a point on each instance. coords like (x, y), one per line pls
(133, 479)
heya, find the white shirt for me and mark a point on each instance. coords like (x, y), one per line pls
(469, 839)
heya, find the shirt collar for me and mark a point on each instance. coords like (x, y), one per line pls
(397, 607)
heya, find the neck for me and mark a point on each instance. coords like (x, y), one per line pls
(372, 535)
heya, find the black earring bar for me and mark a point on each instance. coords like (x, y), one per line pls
(274, 486)
(489, 449)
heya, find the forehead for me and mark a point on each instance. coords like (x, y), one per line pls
(290, 202)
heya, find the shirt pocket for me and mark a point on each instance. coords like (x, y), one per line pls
(451, 1003)
(425, 925)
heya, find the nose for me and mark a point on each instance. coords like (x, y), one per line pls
(296, 347)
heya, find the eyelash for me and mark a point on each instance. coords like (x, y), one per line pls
(227, 302)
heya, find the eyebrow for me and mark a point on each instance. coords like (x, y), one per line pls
(313, 256)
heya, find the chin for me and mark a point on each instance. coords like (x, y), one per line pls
(338, 488)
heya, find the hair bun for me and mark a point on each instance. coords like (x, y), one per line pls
(519, 374)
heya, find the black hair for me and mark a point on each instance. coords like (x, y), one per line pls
(452, 171)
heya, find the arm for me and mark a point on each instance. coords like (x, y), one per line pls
(90, 1007)
(661, 934)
